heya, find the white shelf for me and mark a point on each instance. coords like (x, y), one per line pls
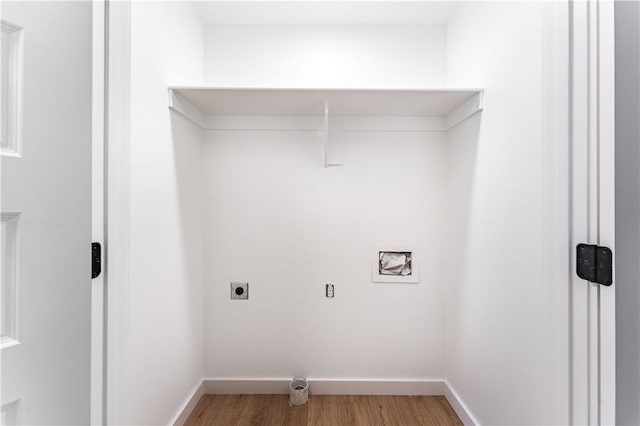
(311, 109)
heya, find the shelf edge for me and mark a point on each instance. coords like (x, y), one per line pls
(181, 105)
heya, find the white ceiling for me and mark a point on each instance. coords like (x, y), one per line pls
(325, 12)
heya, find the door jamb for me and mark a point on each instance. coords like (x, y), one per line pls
(593, 208)
(97, 209)
(116, 251)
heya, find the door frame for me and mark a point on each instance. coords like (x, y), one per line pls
(110, 201)
(578, 134)
(116, 199)
(592, 208)
(98, 207)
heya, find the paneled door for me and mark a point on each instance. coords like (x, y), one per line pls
(46, 212)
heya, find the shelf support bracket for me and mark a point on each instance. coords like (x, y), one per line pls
(183, 107)
(332, 145)
(470, 107)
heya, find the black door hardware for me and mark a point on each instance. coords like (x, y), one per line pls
(595, 264)
(96, 260)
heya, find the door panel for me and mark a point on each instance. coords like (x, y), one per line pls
(46, 189)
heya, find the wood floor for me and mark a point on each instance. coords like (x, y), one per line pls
(322, 410)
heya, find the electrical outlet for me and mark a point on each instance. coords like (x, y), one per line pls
(328, 291)
(239, 291)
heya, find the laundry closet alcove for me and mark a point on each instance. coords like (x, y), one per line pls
(282, 150)
(276, 219)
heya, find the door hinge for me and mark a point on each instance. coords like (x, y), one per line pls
(96, 260)
(595, 264)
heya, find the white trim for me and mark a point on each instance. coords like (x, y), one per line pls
(116, 265)
(188, 405)
(315, 123)
(318, 386)
(310, 123)
(97, 210)
(593, 216)
(592, 219)
(606, 207)
(222, 386)
(580, 401)
(280, 386)
(459, 406)
(426, 124)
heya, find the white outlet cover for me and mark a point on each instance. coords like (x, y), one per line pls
(329, 291)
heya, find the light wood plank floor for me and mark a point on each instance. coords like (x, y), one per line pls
(323, 410)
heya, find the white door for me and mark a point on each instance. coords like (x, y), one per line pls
(592, 209)
(46, 212)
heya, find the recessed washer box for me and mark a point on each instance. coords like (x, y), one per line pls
(395, 264)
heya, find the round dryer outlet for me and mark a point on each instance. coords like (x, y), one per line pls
(239, 291)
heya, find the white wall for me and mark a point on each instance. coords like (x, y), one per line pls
(166, 216)
(279, 220)
(326, 56)
(627, 212)
(495, 303)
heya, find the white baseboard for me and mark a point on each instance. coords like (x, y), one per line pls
(188, 405)
(326, 386)
(459, 407)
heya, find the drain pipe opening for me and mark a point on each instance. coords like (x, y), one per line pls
(298, 392)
